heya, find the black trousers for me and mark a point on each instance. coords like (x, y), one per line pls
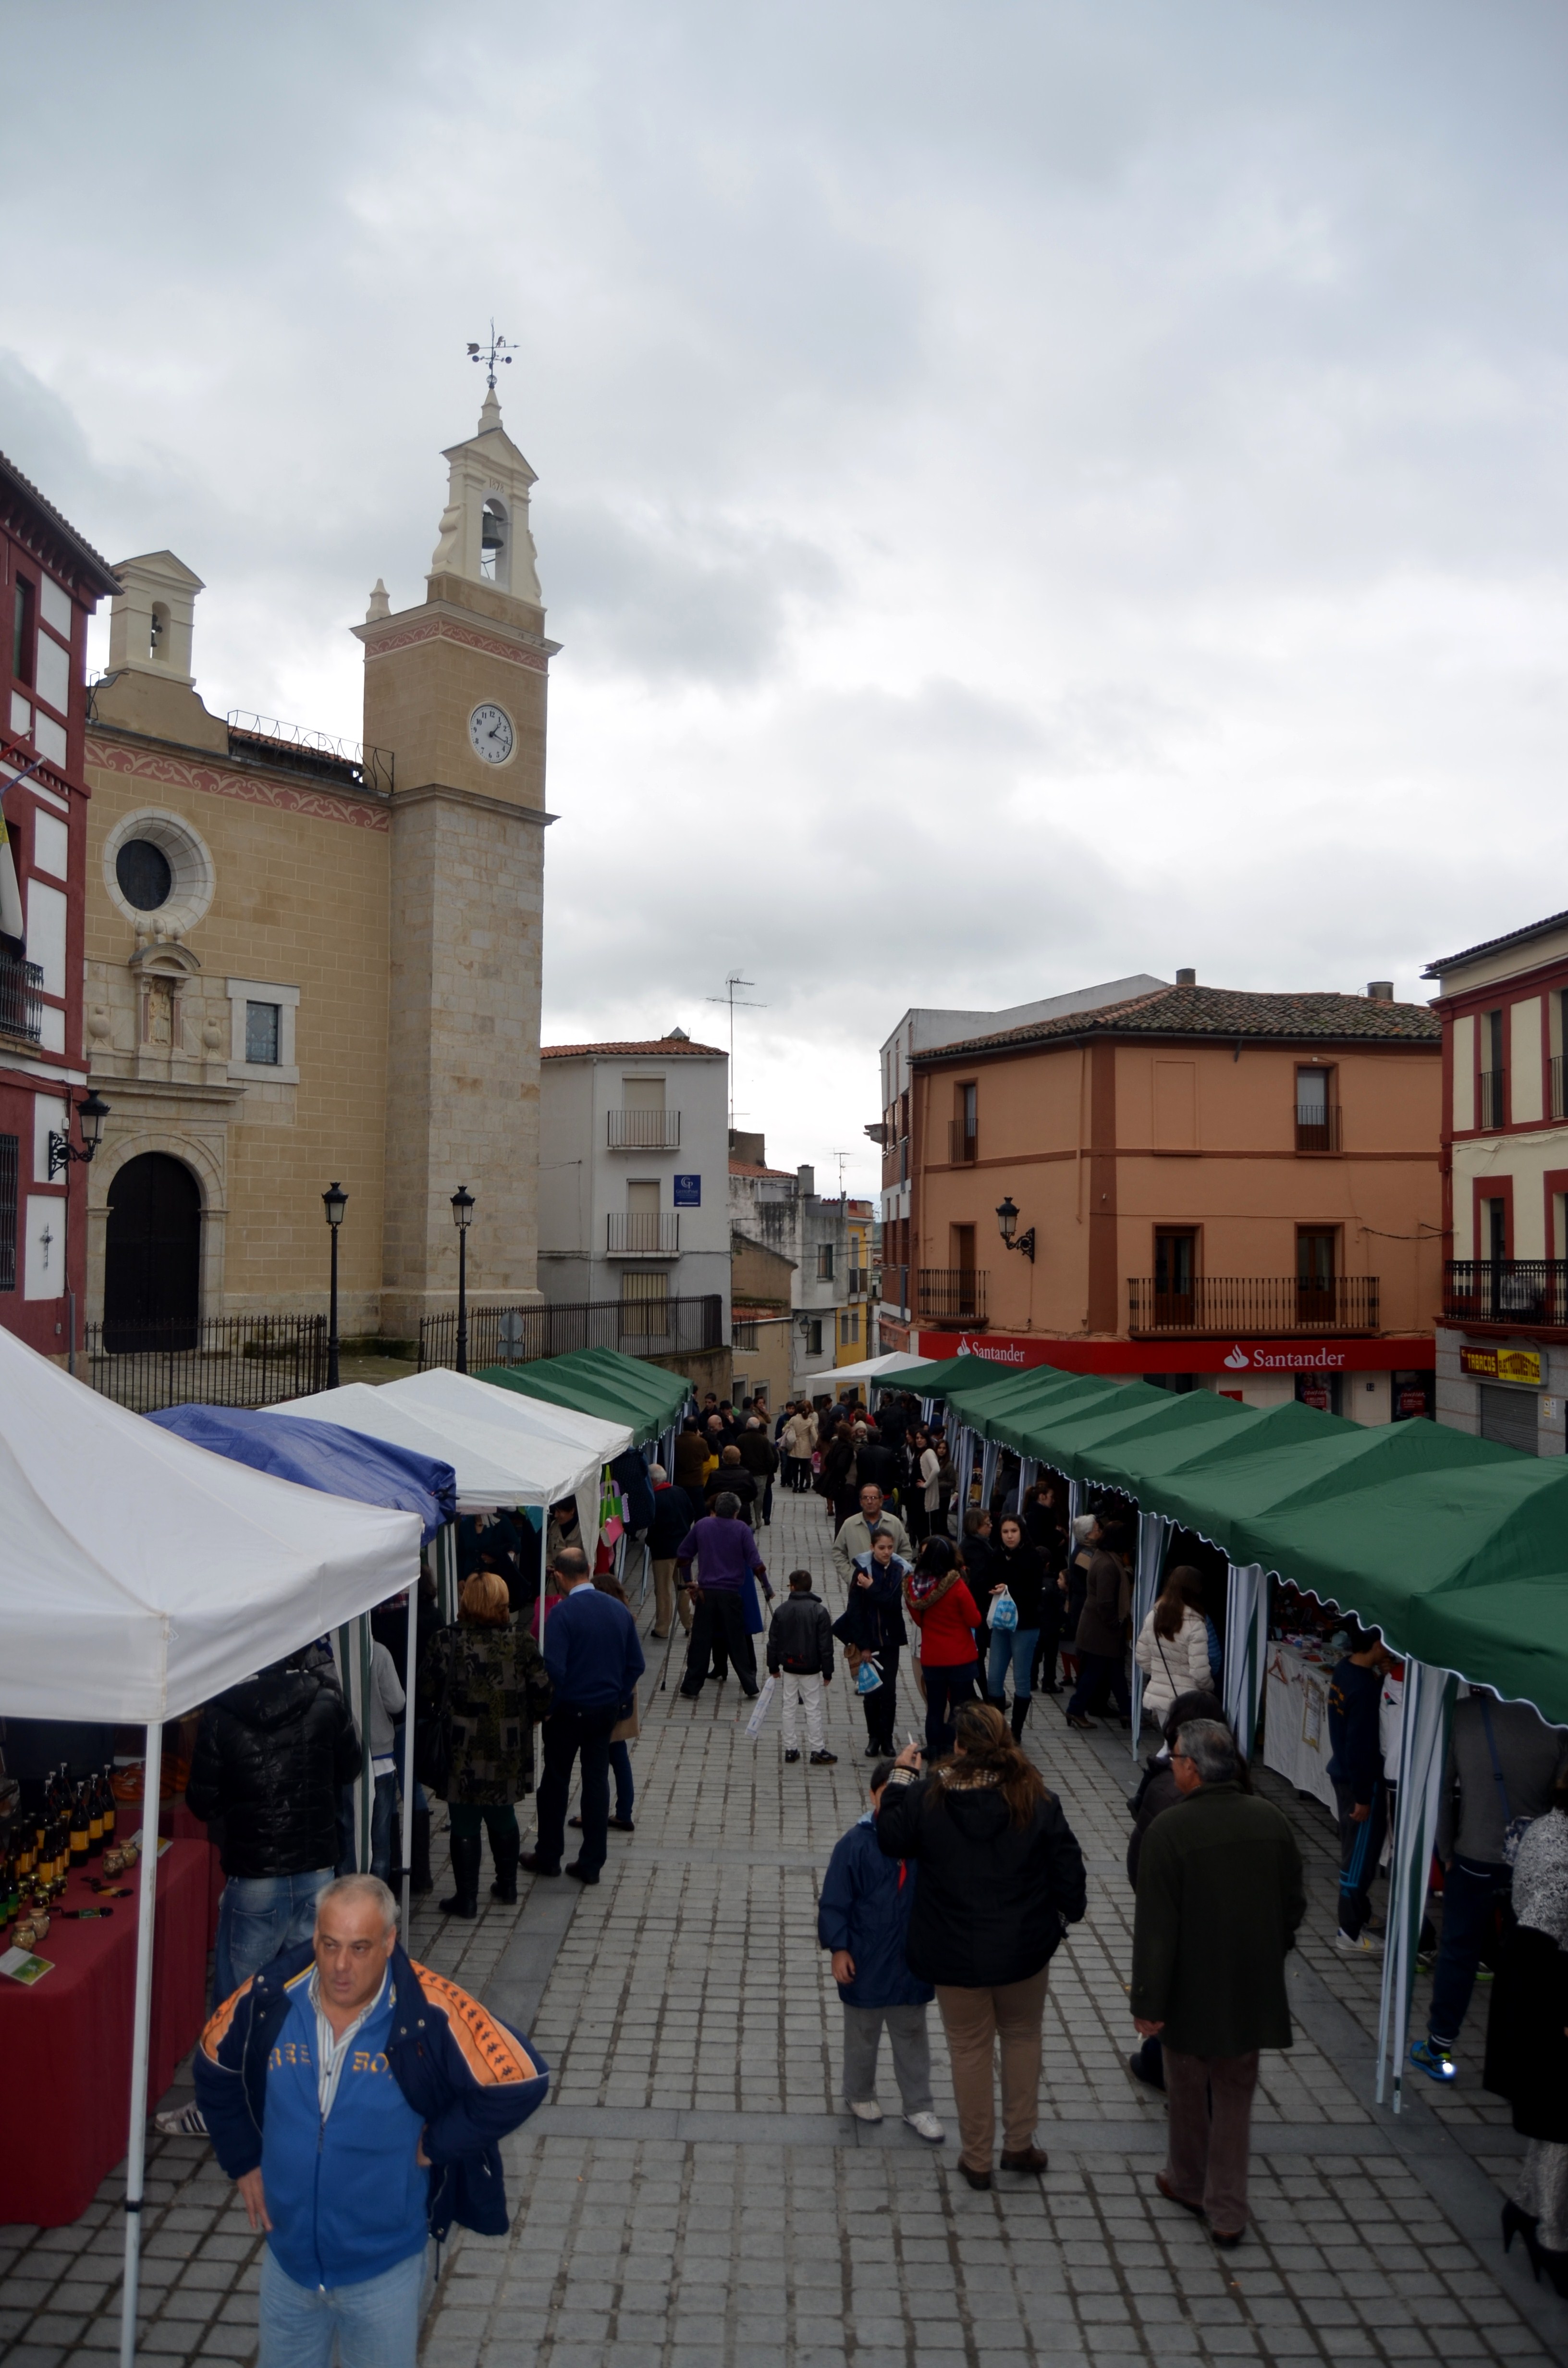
(720, 1617)
(882, 1706)
(567, 1733)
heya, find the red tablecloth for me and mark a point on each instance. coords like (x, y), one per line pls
(65, 2044)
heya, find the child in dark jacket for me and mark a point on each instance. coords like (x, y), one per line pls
(800, 1654)
(863, 1917)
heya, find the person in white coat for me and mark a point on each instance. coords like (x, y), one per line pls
(1173, 1643)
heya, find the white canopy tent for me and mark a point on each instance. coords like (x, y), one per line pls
(138, 1576)
(871, 1371)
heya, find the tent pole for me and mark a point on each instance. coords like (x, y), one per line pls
(140, 2028)
(411, 1677)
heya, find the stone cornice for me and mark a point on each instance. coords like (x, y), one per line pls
(438, 793)
(439, 620)
(160, 761)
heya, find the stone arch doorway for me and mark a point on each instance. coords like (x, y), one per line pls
(153, 1255)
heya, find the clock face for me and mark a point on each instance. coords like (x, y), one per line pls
(490, 730)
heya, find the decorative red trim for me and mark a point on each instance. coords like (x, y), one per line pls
(216, 780)
(446, 629)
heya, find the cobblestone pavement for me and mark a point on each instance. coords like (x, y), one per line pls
(695, 2194)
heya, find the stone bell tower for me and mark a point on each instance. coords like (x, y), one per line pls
(455, 689)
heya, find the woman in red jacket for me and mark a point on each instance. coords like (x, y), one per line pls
(943, 1610)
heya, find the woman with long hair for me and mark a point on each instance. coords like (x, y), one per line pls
(486, 1676)
(946, 1619)
(1173, 1643)
(1018, 1570)
(1001, 1878)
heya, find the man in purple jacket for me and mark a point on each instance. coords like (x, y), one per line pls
(724, 1549)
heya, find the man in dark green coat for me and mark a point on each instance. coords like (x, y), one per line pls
(1219, 1897)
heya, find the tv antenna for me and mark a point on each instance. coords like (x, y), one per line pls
(496, 352)
(841, 1156)
(729, 996)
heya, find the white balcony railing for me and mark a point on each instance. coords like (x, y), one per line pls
(642, 1232)
(643, 1130)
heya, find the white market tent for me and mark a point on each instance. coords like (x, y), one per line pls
(872, 1369)
(139, 1576)
(447, 1394)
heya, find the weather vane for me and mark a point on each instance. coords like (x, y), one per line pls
(497, 353)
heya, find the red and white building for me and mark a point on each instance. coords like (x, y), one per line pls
(50, 581)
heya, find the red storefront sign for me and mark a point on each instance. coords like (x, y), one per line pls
(1240, 1358)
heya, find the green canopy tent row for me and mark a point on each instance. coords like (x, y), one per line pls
(601, 1381)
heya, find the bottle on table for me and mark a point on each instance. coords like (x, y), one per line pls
(95, 1815)
(110, 1819)
(80, 1827)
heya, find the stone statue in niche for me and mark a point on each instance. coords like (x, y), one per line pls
(158, 1017)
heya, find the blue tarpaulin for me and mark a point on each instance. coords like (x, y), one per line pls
(322, 1455)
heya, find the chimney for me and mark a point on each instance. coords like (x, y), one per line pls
(1186, 978)
(806, 1181)
(1380, 990)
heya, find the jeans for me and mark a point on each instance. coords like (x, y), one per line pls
(1472, 1893)
(1096, 1670)
(1360, 1847)
(1016, 1645)
(625, 1791)
(375, 2322)
(945, 1689)
(911, 2055)
(1208, 2134)
(567, 1734)
(259, 1916)
(977, 2021)
(383, 1820)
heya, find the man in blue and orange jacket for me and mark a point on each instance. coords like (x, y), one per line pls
(358, 2102)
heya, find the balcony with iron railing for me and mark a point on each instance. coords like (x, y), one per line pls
(1491, 1099)
(21, 1011)
(1317, 1126)
(1512, 1291)
(951, 1294)
(642, 1232)
(1237, 1304)
(963, 1149)
(643, 1130)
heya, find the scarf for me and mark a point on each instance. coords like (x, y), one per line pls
(923, 1594)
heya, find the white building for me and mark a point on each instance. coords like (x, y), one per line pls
(781, 1210)
(634, 1192)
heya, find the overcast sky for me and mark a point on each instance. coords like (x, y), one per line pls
(1027, 493)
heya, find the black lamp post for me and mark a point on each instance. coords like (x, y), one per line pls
(334, 1201)
(462, 1217)
(91, 1112)
(1008, 1219)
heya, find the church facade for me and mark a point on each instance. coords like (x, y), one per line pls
(308, 964)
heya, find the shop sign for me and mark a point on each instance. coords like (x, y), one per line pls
(688, 1192)
(1022, 1351)
(1521, 1365)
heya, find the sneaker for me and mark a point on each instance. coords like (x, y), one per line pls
(189, 2122)
(1362, 1945)
(790, 1755)
(824, 1759)
(1433, 2060)
(870, 2110)
(927, 2126)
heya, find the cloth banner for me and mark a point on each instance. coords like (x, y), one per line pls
(446, 1559)
(1247, 1649)
(351, 1652)
(928, 1409)
(1426, 1713)
(990, 1457)
(1154, 1537)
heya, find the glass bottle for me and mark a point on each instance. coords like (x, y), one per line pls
(80, 1827)
(95, 1815)
(110, 1819)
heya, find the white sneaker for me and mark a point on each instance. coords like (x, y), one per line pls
(870, 2112)
(1366, 1945)
(189, 2122)
(927, 2126)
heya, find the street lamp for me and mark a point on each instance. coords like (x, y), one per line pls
(91, 1113)
(1008, 1220)
(334, 1201)
(462, 1217)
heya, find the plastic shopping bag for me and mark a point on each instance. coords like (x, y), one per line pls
(1003, 1612)
(867, 1676)
(753, 1723)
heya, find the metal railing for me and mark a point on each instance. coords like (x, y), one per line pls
(743, 1334)
(951, 1294)
(519, 1336)
(1317, 1127)
(295, 748)
(1492, 1097)
(1239, 1303)
(232, 1360)
(1505, 1290)
(21, 1012)
(963, 1149)
(642, 1232)
(643, 1130)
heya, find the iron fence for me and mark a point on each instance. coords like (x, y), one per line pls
(952, 1294)
(232, 1360)
(1505, 1290)
(21, 984)
(519, 1335)
(1243, 1304)
(1317, 1126)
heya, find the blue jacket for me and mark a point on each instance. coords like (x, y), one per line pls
(1356, 1756)
(865, 1907)
(592, 1651)
(470, 2078)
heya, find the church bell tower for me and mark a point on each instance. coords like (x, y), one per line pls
(455, 689)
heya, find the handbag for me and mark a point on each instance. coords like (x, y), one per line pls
(1513, 1828)
(1002, 1613)
(433, 1737)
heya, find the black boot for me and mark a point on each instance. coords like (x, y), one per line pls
(464, 1855)
(419, 1863)
(1020, 1711)
(505, 1853)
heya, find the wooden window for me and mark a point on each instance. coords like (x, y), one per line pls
(1176, 1265)
(965, 1123)
(1317, 1259)
(1493, 1081)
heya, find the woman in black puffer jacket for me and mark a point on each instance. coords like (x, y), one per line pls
(271, 1756)
(1001, 1877)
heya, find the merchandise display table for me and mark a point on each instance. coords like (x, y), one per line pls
(65, 2042)
(1295, 1720)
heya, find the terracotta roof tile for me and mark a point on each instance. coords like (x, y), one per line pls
(750, 1168)
(668, 1048)
(1224, 1012)
(92, 563)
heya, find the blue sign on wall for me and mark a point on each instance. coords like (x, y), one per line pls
(688, 1191)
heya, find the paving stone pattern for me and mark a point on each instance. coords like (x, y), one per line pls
(695, 2194)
